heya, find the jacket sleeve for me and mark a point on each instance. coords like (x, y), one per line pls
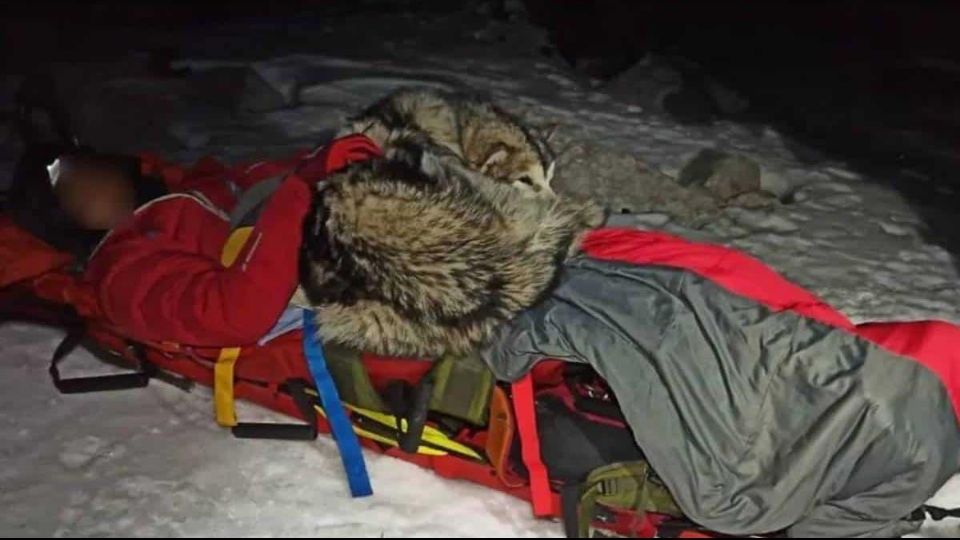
(156, 287)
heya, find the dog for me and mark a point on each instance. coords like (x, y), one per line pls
(402, 263)
(481, 136)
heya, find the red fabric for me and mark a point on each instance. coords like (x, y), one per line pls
(526, 417)
(731, 269)
(385, 369)
(64, 288)
(212, 178)
(935, 344)
(208, 177)
(548, 372)
(158, 276)
(23, 256)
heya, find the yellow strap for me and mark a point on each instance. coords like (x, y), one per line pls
(430, 433)
(223, 403)
(223, 387)
(386, 440)
(234, 244)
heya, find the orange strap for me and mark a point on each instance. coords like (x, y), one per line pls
(526, 418)
(500, 437)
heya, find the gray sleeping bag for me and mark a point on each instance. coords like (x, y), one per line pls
(757, 421)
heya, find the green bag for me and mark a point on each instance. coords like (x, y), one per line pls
(462, 385)
(631, 486)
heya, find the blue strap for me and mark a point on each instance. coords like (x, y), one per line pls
(340, 426)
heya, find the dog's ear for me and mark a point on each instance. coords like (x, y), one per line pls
(431, 165)
(498, 154)
(406, 151)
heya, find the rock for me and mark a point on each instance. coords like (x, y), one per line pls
(265, 91)
(647, 83)
(677, 86)
(625, 185)
(774, 183)
(727, 100)
(725, 175)
(761, 221)
(690, 105)
(754, 199)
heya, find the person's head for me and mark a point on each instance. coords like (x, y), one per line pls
(96, 192)
(69, 197)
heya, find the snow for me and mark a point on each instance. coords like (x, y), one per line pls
(152, 462)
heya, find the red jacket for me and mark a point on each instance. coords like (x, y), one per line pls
(158, 276)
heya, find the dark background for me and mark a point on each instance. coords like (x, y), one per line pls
(877, 79)
(876, 84)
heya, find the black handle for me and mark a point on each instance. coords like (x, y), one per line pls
(286, 432)
(98, 383)
(101, 383)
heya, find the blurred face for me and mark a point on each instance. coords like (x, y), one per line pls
(95, 191)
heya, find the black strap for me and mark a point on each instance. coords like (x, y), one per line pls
(570, 504)
(935, 512)
(297, 389)
(417, 415)
(410, 404)
(99, 383)
(673, 528)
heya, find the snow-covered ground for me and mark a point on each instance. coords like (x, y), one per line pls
(152, 462)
